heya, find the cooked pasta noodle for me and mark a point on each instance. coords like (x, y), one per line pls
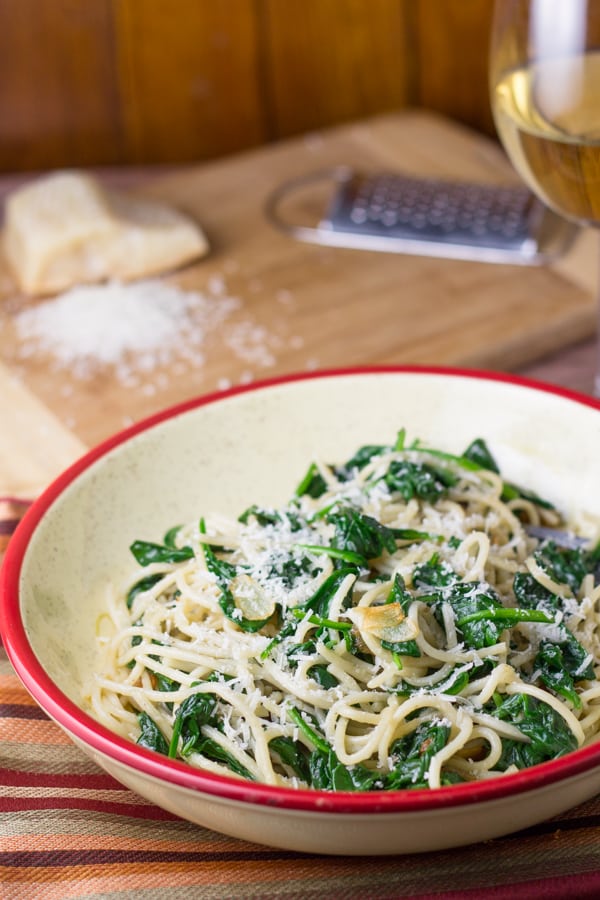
(394, 626)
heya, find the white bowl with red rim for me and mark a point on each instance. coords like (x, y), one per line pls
(223, 452)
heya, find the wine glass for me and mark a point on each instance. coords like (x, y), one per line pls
(545, 92)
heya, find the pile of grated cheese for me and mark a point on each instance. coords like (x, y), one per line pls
(137, 326)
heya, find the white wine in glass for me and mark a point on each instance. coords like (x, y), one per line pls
(545, 92)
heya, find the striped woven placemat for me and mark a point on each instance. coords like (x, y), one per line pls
(68, 830)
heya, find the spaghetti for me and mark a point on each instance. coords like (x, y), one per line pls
(394, 626)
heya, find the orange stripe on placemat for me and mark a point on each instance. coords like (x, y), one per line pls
(120, 875)
(12, 691)
(199, 842)
(33, 731)
(83, 882)
(98, 781)
(62, 794)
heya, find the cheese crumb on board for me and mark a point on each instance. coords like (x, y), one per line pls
(131, 327)
(65, 229)
(147, 332)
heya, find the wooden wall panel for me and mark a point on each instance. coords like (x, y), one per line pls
(453, 59)
(58, 84)
(328, 61)
(88, 82)
(188, 73)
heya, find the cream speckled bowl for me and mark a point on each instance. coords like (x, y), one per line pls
(222, 453)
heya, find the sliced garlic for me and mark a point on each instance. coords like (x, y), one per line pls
(386, 622)
(250, 598)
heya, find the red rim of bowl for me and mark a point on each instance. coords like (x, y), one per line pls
(86, 730)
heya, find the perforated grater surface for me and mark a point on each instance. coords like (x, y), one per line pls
(399, 213)
(436, 210)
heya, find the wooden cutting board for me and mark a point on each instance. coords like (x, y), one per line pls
(34, 445)
(300, 306)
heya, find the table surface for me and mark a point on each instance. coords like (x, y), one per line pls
(66, 829)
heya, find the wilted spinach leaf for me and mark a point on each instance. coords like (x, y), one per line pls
(479, 453)
(212, 750)
(290, 568)
(151, 736)
(319, 671)
(313, 484)
(563, 663)
(548, 733)
(561, 659)
(328, 774)
(418, 479)
(412, 755)
(322, 676)
(320, 601)
(143, 584)
(530, 594)
(270, 517)
(196, 710)
(564, 565)
(146, 553)
(360, 533)
(361, 458)
(293, 754)
(434, 575)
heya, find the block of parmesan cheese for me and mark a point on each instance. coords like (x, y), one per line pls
(65, 229)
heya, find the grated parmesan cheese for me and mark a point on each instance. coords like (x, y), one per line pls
(145, 324)
(148, 328)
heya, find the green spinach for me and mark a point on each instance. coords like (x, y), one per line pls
(293, 754)
(360, 534)
(411, 756)
(151, 736)
(548, 735)
(418, 479)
